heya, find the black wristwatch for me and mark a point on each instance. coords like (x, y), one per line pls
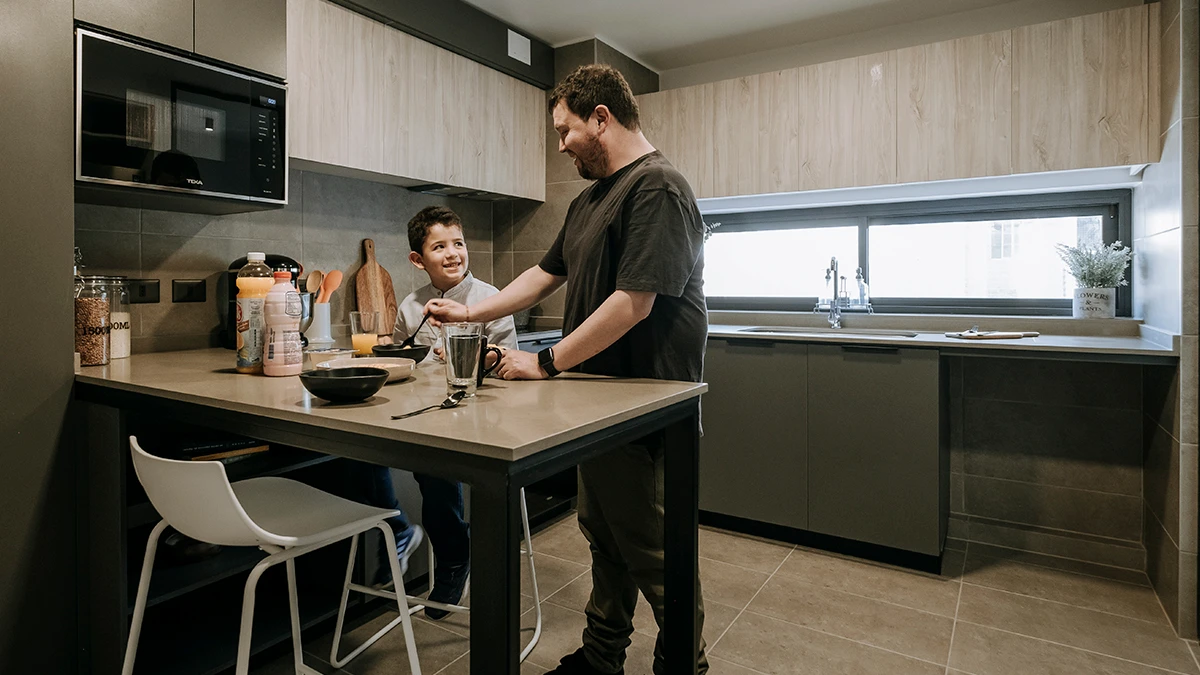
(546, 361)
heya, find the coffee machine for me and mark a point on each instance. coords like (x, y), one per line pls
(227, 292)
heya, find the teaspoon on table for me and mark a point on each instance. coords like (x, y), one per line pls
(451, 401)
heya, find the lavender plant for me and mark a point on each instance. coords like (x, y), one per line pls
(708, 229)
(1095, 266)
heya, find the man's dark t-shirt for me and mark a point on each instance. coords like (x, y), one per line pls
(637, 230)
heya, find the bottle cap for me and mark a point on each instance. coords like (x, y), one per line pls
(255, 256)
(283, 276)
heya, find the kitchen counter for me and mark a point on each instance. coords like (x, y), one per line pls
(1127, 348)
(506, 420)
(510, 435)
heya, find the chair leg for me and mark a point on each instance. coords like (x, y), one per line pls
(403, 620)
(537, 599)
(139, 605)
(341, 618)
(247, 627)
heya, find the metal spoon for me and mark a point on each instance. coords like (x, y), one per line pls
(451, 401)
(408, 341)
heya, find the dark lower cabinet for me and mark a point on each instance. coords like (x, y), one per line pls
(753, 455)
(878, 446)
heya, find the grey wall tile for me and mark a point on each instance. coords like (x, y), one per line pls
(1160, 392)
(107, 218)
(1160, 194)
(118, 253)
(481, 267)
(536, 226)
(502, 269)
(1170, 63)
(1162, 565)
(339, 210)
(551, 306)
(1055, 550)
(1188, 67)
(1067, 446)
(560, 168)
(1187, 596)
(1099, 513)
(502, 214)
(1161, 489)
(1170, 10)
(1188, 489)
(175, 343)
(1190, 279)
(641, 79)
(956, 493)
(1158, 273)
(1103, 385)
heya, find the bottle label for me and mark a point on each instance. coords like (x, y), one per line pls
(251, 332)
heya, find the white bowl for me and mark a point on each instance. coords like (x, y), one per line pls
(313, 356)
(398, 368)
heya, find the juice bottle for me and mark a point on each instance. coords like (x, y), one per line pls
(282, 308)
(254, 281)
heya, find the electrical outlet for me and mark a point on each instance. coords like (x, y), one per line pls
(143, 291)
(187, 290)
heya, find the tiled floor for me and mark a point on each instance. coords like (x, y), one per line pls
(779, 609)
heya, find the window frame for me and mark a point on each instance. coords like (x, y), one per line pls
(1115, 207)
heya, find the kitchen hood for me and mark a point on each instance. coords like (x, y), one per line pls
(459, 192)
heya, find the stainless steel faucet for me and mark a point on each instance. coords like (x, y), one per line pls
(835, 306)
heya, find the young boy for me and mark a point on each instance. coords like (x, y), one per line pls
(435, 236)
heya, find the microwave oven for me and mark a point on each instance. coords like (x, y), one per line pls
(159, 130)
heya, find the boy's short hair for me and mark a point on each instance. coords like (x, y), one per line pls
(593, 85)
(418, 227)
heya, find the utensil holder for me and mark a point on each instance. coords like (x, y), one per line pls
(318, 333)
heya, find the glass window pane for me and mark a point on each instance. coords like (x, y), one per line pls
(981, 259)
(777, 263)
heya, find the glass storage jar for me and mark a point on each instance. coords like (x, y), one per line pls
(92, 320)
(119, 318)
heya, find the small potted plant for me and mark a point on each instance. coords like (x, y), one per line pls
(1098, 270)
(708, 229)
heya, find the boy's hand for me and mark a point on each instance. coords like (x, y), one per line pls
(519, 365)
(442, 311)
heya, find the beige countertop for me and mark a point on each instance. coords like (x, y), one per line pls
(1099, 345)
(506, 420)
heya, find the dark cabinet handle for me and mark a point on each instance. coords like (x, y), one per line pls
(748, 342)
(870, 349)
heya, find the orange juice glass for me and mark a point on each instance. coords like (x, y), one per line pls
(364, 331)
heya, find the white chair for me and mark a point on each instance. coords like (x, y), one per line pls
(421, 603)
(283, 517)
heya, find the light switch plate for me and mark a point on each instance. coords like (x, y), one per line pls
(518, 47)
(187, 290)
(143, 291)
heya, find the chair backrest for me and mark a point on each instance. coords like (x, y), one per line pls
(195, 498)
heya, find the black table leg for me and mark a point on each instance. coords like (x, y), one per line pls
(495, 578)
(681, 503)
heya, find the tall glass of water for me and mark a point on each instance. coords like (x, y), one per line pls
(461, 343)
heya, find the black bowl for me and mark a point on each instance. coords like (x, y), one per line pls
(344, 385)
(416, 352)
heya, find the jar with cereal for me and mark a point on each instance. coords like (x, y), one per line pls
(92, 320)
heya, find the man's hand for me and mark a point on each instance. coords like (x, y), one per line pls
(442, 311)
(519, 365)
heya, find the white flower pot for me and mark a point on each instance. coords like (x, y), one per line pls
(1094, 303)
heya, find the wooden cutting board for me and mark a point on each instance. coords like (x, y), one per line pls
(373, 286)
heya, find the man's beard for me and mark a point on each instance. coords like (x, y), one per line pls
(593, 160)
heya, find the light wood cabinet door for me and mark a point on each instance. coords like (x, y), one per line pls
(367, 97)
(953, 117)
(847, 122)
(249, 34)
(735, 136)
(679, 123)
(1080, 92)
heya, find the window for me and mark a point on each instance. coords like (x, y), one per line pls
(988, 255)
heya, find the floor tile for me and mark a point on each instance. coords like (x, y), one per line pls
(1139, 641)
(459, 622)
(564, 540)
(553, 574)
(722, 667)
(780, 648)
(436, 648)
(761, 555)
(562, 633)
(1137, 602)
(911, 589)
(283, 666)
(987, 651)
(728, 584)
(900, 629)
(463, 667)
(1195, 649)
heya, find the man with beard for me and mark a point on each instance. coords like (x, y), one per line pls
(632, 248)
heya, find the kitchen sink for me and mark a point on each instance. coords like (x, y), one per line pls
(793, 330)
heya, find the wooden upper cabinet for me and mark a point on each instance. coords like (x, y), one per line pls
(679, 123)
(168, 22)
(249, 34)
(953, 117)
(735, 136)
(1080, 92)
(374, 99)
(847, 122)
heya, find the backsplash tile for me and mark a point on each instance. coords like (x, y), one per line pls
(322, 227)
(1098, 513)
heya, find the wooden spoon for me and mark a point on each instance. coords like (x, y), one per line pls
(312, 283)
(331, 283)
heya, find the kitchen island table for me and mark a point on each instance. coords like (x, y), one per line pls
(509, 435)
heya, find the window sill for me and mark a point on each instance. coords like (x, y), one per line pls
(939, 323)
